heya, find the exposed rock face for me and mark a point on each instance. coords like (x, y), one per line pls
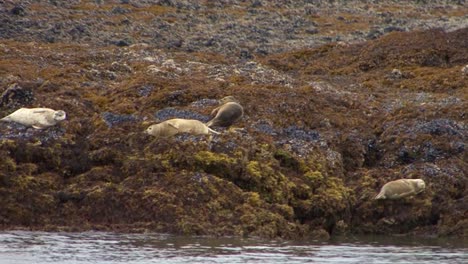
(339, 98)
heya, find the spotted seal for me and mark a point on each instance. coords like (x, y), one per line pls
(38, 118)
(175, 126)
(401, 188)
(227, 113)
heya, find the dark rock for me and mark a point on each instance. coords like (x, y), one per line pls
(64, 196)
(430, 153)
(298, 133)
(373, 153)
(18, 11)
(176, 96)
(374, 33)
(79, 31)
(312, 31)
(439, 127)
(186, 137)
(256, 3)
(246, 55)
(175, 43)
(145, 90)
(405, 156)
(169, 113)
(120, 10)
(166, 3)
(123, 42)
(392, 29)
(112, 119)
(126, 22)
(16, 96)
(120, 67)
(204, 103)
(265, 127)
(12, 130)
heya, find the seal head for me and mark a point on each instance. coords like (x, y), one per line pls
(60, 115)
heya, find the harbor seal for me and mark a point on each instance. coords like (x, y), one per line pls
(38, 118)
(225, 115)
(175, 126)
(401, 188)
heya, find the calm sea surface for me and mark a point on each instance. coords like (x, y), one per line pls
(17, 247)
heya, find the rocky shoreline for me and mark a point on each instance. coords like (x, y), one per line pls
(340, 97)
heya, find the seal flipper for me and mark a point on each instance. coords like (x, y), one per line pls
(176, 126)
(38, 127)
(379, 196)
(215, 111)
(214, 132)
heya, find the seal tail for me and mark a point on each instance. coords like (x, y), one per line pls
(214, 132)
(6, 119)
(379, 196)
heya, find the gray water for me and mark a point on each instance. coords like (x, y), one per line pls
(19, 247)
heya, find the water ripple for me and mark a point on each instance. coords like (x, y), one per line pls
(20, 247)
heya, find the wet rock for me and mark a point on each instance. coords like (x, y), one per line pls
(320, 234)
(246, 55)
(16, 96)
(64, 196)
(441, 126)
(120, 10)
(256, 3)
(374, 33)
(18, 10)
(202, 103)
(120, 67)
(299, 133)
(112, 119)
(123, 42)
(145, 90)
(169, 113)
(186, 137)
(392, 28)
(265, 126)
(79, 31)
(430, 152)
(12, 130)
(405, 156)
(312, 31)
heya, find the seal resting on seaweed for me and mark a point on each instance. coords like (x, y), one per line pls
(38, 118)
(175, 126)
(225, 115)
(401, 188)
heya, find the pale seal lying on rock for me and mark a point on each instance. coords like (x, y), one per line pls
(401, 188)
(38, 118)
(225, 115)
(175, 126)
